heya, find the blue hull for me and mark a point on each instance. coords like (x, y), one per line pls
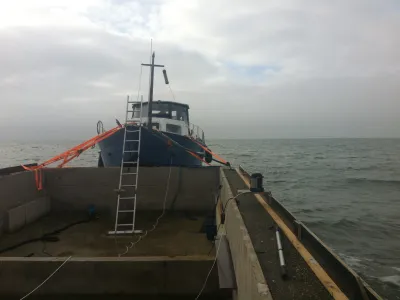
(154, 149)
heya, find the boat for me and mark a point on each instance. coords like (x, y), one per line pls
(165, 133)
(170, 125)
(180, 231)
(204, 235)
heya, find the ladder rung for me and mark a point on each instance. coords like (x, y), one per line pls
(131, 140)
(130, 162)
(126, 211)
(124, 224)
(128, 185)
(137, 102)
(125, 231)
(120, 232)
(127, 198)
(129, 151)
(132, 130)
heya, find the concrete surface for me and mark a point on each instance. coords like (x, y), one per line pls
(302, 282)
(174, 259)
(26, 213)
(227, 278)
(107, 276)
(177, 234)
(250, 279)
(15, 218)
(75, 188)
(218, 295)
(36, 209)
(15, 190)
(2, 217)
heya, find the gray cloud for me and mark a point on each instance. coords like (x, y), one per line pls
(309, 69)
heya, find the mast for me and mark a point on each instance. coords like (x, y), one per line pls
(151, 89)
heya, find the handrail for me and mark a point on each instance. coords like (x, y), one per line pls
(191, 129)
(195, 132)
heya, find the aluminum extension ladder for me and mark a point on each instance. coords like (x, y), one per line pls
(128, 178)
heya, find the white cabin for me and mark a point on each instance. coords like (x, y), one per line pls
(168, 116)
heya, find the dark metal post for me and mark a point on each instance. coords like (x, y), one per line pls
(150, 106)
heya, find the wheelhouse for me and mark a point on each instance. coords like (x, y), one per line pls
(168, 116)
(164, 109)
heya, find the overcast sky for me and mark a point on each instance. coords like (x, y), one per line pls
(248, 69)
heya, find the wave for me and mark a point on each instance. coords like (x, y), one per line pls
(373, 180)
(352, 261)
(244, 155)
(393, 279)
(344, 223)
(369, 168)
(277, 181)
(308, 210)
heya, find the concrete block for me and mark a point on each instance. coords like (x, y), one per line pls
(27, 213)
(15, 218)
(37, 208)
(17, 189)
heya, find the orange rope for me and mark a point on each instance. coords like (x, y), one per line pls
(69, 155)
(170, 142)
(38, 179)
(209, 151)
(198, 157)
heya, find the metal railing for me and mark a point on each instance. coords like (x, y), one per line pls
(195, 132)
(190, 129)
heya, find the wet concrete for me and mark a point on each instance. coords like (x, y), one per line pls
(177, 234)
(222, 295)
(171, 262)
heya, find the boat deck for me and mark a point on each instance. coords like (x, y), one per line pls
(176, 256)
(301, 282)
(177, 234)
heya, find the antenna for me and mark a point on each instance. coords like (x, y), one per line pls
(151, 48)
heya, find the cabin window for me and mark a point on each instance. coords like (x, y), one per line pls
(136, 111)
(162, 110)
(174, 128)
(154, 124)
